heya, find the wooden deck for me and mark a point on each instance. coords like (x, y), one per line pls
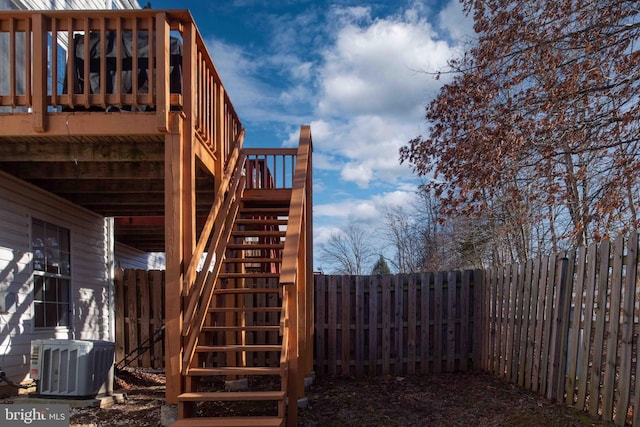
(123, 113)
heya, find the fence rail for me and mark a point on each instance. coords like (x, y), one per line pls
(398, 324)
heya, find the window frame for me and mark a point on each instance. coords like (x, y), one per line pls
(50, 245)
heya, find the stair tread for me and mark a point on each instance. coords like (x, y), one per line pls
(230, 422)
(231, 348)
(247, 275)
(251, 259)
(245, 309)
(261, 221)
(248, 370)
(247, 291)
(245, 246)
(248, 328)
(263, 210)
(259, 233)
(230, 396)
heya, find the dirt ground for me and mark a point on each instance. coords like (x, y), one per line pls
(460, 399)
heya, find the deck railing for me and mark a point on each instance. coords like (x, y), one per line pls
(141, 61)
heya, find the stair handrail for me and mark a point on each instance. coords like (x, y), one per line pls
(293, 276)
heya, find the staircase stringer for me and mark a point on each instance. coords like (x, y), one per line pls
(231, 195)
(233, 170)
(198, 320)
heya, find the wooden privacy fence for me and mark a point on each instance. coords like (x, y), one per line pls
(566, 326)
(139, 297)
(398, 324)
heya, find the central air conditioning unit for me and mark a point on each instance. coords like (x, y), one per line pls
(72, 368)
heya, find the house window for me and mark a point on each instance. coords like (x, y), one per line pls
(51, 274)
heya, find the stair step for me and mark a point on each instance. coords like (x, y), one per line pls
(250, 328)
(261, 221)
(253, 246)
(245, 309)
(230, 422)
(248, 275)
(258, 233)
(231, 396)
(247, 291)
(233, 370)
(264, 211)
(270, 196)
(236, 348)
(251, 260)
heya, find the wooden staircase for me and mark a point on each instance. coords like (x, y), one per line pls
(240, 342)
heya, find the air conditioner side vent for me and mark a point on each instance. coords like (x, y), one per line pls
(73, 368)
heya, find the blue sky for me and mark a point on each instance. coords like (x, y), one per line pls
(352, 70)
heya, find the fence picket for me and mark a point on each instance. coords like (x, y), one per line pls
(321, 326)
(386, 325)
(524, 326)
(539, 323)
(425, 322)
(464, 320)
(345, 323)
(585, 347)
(411, 325)
(360, 331)
(626, 339)
(398, 281)
(332, 291)
(546, 326)
(437, 323)
(373, 326)
(615, 289)
(451, 321)
(529, 359)
(598, 338)
(575, 327)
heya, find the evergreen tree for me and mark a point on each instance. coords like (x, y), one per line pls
(380, 267)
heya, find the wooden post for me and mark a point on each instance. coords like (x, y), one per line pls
(308, 218)
(40, 72)
(188, 134)
(163, 96)
(174, 258)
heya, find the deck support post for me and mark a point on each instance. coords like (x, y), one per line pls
(174, 231)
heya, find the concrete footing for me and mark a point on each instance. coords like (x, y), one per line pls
(303, 402)
(236, 385)
(168, 415)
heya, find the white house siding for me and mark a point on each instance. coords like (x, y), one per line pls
(128, 257)
(91, 281)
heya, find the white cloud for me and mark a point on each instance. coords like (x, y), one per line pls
(375, 69)
(453, 20)
(363, 209)
(373, 91)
